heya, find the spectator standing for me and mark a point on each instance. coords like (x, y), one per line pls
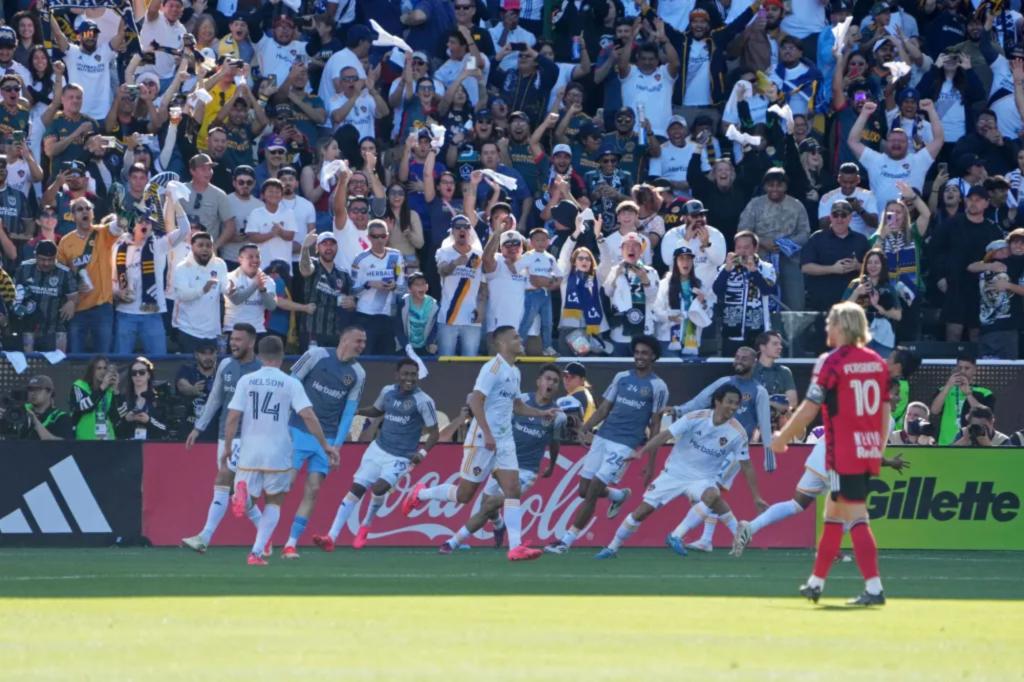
(543, 276)
(249, 295)
(65, 135)
(958, 396)
(208, 204)
(829, 257)
(140, 411)
(775, 216)
(582, 311)
(194, 383)
(139, 276)
(199, 281)
(241, 204)
(460, 268)
(88, 251)
(278, 50)
(706, 243)
(416, 317)
(647, 87)
(91, 64)
(328, 287)
(902, 241)
(405, 229)
(897, 163)
(300, 207)
(509, 37)
(506, 281)
(46, 295)
(776, 378)
(1000, 314)
(272, 227)
(93, 400)
(680, 305)
(162, 26)
(797, 79)
(865, 209)
(743, 287)
(379, 277)
(873, 291)
(632, 288)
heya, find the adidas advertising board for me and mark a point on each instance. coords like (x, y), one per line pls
(70, 494)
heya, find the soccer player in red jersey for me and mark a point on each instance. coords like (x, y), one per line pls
(850, 385)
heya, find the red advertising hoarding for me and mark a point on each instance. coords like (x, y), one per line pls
(178, 485)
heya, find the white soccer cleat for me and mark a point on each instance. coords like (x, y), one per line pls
(195, 543)
(741, 539)
(700, 546)
(615, 507)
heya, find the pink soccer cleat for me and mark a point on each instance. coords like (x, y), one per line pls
(268, 550)
(256, 560)
(523, 553)
(324, 542)
(289, 553)
(360, 540)
(240, 500)
(411, 500)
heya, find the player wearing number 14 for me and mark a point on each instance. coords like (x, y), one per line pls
(848, 385)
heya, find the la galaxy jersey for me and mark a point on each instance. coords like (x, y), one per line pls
(265, 398)
(635, 400)
(329, 383)
(405, 417)
(533, 435)
(225, 380)
(704, 450)
(498, 381)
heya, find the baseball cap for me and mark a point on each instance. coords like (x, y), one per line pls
(881, 41)
(200, 160)
(511, 236)
(694, 207)
(996, 244)
(779, 402)
(849, 168)
(287, 170)
(206, 345)
(326, 237)
(359, 32)
(518, 114)
(421, 55)
(460, 222)
(609, 148)
(682, 251)
(576, 369)
(809, 144)
(908, 93)
(965, 161)
(147, 76)
(46, 248)
(978, 191)
(775, 175)
(74, 167)
(632, 238)
(243, 170)
(841, 206)
(588, 129)
(87, 26)
(275, 142)
(880, 8)
(677, 119)
(507, 5)
(11, 77)
(7, 36)
(840, 6)
(561, 149)
(41, 381)
(698, 12)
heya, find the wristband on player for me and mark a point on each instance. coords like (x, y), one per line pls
(422, 453)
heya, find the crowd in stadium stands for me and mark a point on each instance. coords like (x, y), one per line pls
(583, 170)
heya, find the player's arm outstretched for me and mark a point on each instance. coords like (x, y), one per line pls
(523, 410)
(447, 434)
(308, 417)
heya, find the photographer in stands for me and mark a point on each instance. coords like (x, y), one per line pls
(980, 431)
(33, 415)
(917, 430)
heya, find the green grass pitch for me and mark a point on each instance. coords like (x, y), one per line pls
(410, 614)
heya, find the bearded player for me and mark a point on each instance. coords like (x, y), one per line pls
(850, 385)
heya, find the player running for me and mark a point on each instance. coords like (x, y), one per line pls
(631, 405)
(334, 382)
(490, 447)
(708, 443)
(813, 483)
(533, 436)
(263, 401)
(754, 414)
(241, 343)
(849, 384)
(407, 411)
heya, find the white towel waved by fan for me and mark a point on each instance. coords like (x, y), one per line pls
(743, 138)
(385, 39)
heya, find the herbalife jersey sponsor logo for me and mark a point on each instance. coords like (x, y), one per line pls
(46, 511)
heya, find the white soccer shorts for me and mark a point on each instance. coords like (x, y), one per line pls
(526, 480)
(606, 461)
(269, 482)
(236, 446)
(479, 462)
(814, 482)
(667, 487)
(378, 464)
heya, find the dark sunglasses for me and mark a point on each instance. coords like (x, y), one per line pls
(140, 372)
(82, 209)
(11, 88)
(378, 236)
(840, 214)
(362, 209)
(396, 192)
(275, 151)
(245, 183)
(349, 79)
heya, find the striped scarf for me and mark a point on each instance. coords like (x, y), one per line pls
(148, 265)
(583, 302)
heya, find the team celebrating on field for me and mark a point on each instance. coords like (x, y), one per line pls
(275, 423)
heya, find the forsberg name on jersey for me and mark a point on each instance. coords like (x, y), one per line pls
(862, 368)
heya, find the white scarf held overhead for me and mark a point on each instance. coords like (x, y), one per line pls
(839, 32)
(329, 170)
(505, 181)
(385, 39)
(897, 70)
(743, 138)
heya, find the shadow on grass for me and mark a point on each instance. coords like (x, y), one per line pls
(35, 573)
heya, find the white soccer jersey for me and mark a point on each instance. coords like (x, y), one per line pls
(499, 382)
(266, 398)
(703, 450)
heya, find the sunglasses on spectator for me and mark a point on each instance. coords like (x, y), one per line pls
(82, 209)
(275, 151)
(11, 88)
(418, 61)
(349, 79)
(245, 183)
(361, 209)
(378, 236)
(396, 192)
(139, 372)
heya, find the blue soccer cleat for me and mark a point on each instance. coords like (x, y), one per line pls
(675, 544)
(607, 553)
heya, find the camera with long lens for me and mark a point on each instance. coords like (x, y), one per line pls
(976, 431)
(13, 413)
(920, 427)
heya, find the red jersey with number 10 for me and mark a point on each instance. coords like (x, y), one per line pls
(850, 384)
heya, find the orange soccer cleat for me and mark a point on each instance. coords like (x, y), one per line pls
(523, 553)
(411, 500)
(256, 560)
(360, 540)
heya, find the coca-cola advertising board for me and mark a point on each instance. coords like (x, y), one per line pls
(178, 486)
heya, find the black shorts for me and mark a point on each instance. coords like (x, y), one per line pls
(851, 487)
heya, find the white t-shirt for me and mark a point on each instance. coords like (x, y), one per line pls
(506, 289)
(266, 398)
(698, 75)
(950, 107)
(93, 73)
(653, 91)
(498, 381)
(274, 58)
(884, 171)
(519, 35)
(673, 162)
(460, 288)
(240, 210)
(450, 70)
(251, 310)
(361, 116)
(1007, 116)
(351, 242)
(704, 451)
(540, 263)
(332, 70)
(18, 176)
(857, 224)
(165, 35)
(806, 17)
(705, 261)
(261, 221)
(305, 219)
